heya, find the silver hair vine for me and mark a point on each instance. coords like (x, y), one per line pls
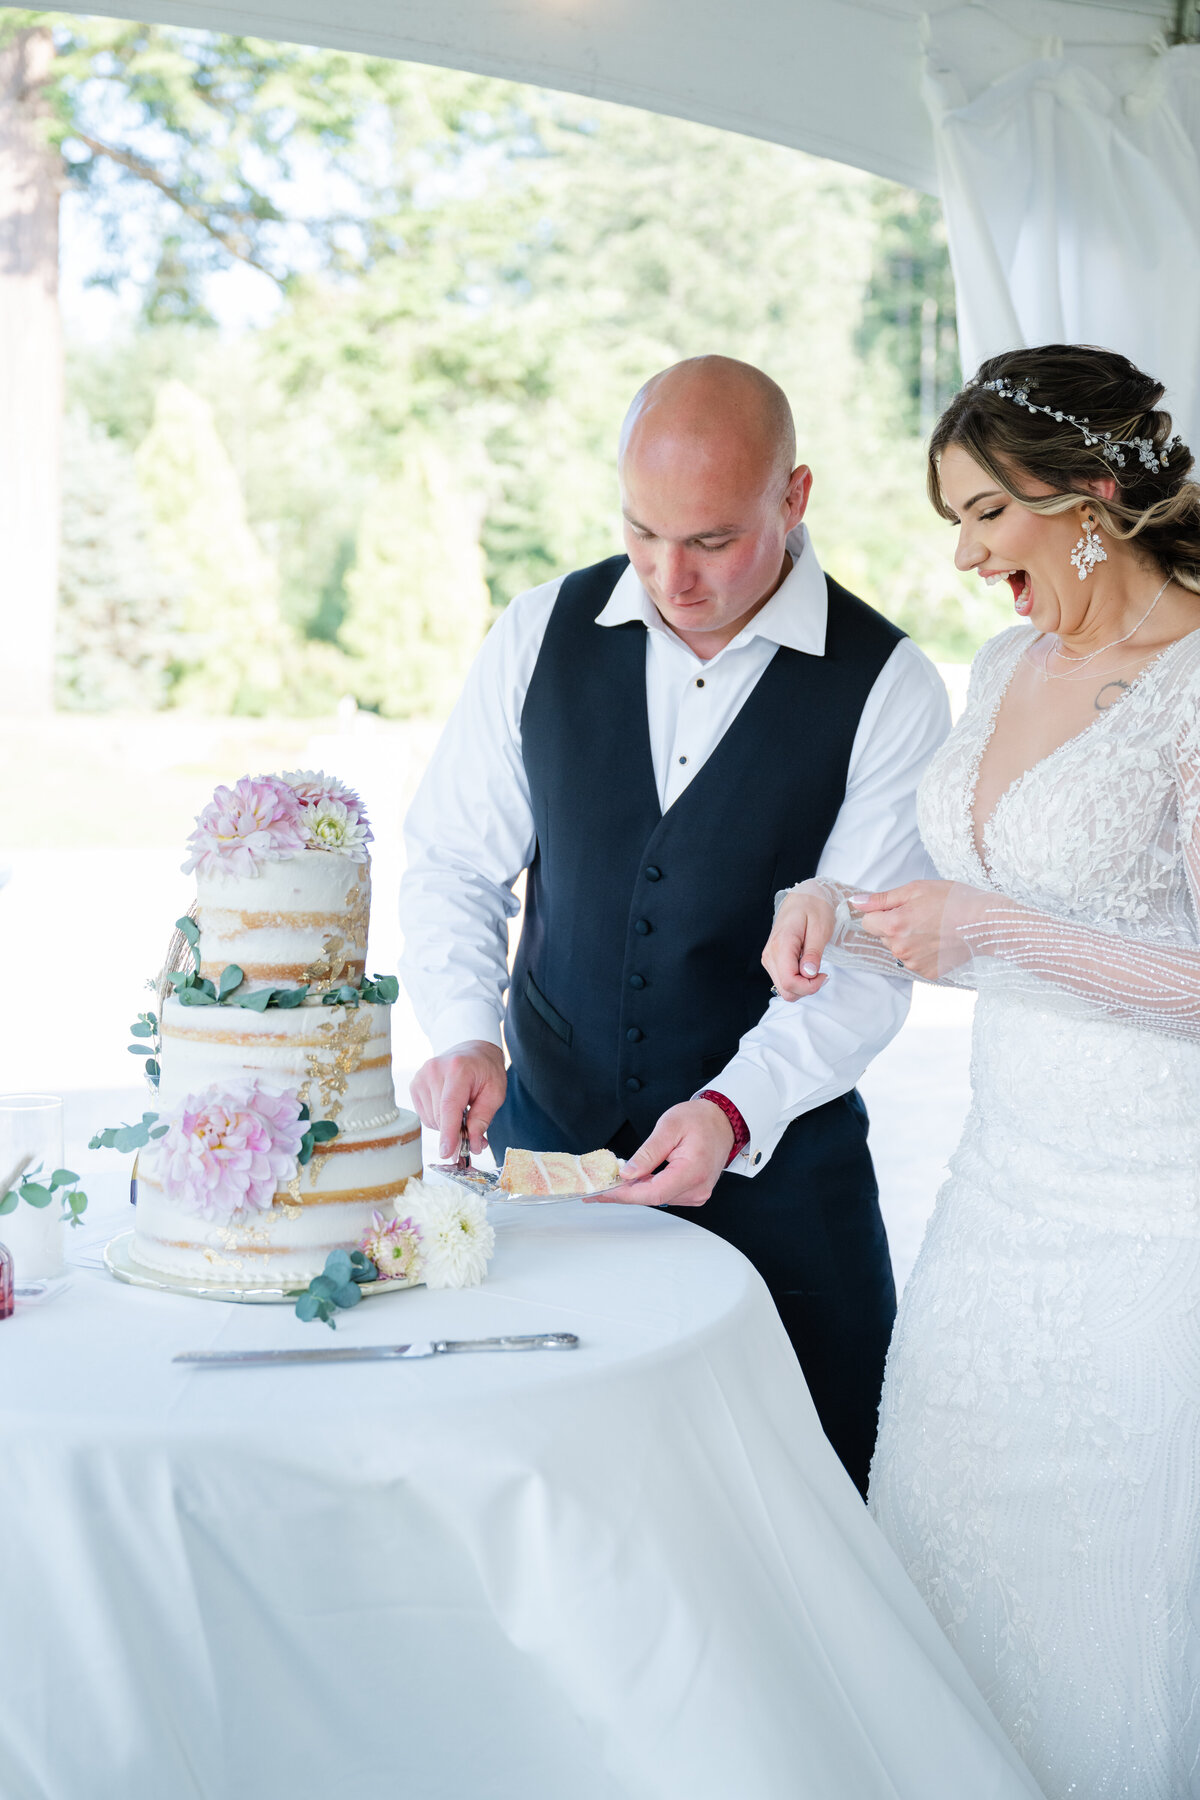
(1111, 449)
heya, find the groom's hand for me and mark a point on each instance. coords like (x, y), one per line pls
(469, 1075)
(694, 1141)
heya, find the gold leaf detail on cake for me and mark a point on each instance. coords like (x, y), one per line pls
(347, 1040)
(358, 911)
(332, 967)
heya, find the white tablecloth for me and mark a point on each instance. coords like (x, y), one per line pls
(629, 1570)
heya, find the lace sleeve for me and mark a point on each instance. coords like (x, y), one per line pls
(1152, 982)
(850, 947)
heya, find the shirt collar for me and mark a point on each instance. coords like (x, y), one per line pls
(795, 616)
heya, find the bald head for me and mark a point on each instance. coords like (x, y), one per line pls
(709, 495)
(713, 409)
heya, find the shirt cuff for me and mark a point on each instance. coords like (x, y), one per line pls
(753, 1094)
(741, 1131)
(464, 1021)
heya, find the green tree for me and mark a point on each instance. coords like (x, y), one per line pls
(417, 601)
(231, 647)
(117, 611)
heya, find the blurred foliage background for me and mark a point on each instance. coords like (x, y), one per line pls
(469, 279)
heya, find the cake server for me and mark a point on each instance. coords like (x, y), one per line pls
(545, 1340)
(487, 1181)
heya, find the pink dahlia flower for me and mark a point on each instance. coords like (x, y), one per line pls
(312, 786)
(394, 1246)
(228, 1149)
(257, 820)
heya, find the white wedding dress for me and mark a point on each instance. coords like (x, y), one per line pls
(1038, 1465)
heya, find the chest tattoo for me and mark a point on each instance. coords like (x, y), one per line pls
(1110, 692)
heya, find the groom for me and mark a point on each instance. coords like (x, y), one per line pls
(662, 741)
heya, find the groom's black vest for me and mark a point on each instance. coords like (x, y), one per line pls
(638, 968)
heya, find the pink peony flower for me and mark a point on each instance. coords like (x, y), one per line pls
(394, 1246)
(256, 821)
(228, 1149)
(312, 786)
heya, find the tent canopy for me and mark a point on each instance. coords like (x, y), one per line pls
(839, 78)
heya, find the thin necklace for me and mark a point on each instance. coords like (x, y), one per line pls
(1056, 648)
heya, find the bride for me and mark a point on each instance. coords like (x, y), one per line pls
(1038, 1464)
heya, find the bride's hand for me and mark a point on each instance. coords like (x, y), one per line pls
(803, 926)
(918, 925)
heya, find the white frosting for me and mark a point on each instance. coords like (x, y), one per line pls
(277, 924)
(286, 1245)
(289, 1047)
(338, 1058)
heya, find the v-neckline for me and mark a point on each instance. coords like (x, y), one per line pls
(979, 845)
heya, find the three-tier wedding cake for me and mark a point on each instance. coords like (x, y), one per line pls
(278, 1137)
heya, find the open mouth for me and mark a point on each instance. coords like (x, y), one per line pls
(1022, 588)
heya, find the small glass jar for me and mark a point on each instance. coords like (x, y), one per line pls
(6, 1284)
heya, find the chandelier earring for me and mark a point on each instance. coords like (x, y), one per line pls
(1089, 550)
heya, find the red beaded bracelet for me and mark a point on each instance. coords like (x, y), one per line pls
(741, 1131)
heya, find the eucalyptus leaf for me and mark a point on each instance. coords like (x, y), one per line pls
(305, 1111)
(199, 995)
(62, 1178)
(127, 1137)
(256, 1001)
(9, 1202)
(153, 1072)
(337, 1266)
(139, 1049)
(141, 1029)
(322, 1130)
(159, 1131)
(231, 977)
(349, 1294)
(307, 1306)
(34, 1194)
(304, 1154)
(323, 1287)
(289, 997)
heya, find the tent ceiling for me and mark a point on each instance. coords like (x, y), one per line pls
(839, 78)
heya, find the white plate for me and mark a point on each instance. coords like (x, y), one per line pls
(120, 1261)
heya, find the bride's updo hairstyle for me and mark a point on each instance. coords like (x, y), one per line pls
(1159, 507)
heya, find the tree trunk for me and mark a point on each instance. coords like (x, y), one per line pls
(31, 380)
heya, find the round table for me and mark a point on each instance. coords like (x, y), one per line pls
(633, 1569)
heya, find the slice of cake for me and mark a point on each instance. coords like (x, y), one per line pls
(557, 1172)
(278, 1137)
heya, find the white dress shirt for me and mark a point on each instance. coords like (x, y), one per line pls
(470, 832)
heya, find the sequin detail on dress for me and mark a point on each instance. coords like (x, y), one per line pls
(1038, 1466)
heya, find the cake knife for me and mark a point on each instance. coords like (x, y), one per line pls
(546, 1340)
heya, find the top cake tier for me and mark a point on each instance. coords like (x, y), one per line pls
(300, 921)
(283, 886)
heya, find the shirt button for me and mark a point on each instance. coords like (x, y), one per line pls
(653, 874)
(634, 1085)
(634, 1035)
(642, 927)
(699, 681)
(637, 981)
(683, 759)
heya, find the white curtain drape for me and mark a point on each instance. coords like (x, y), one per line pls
(1072, 204)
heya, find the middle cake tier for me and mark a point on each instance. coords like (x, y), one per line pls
(338, 1058)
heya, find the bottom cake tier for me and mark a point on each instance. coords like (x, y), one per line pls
(328, 1206)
